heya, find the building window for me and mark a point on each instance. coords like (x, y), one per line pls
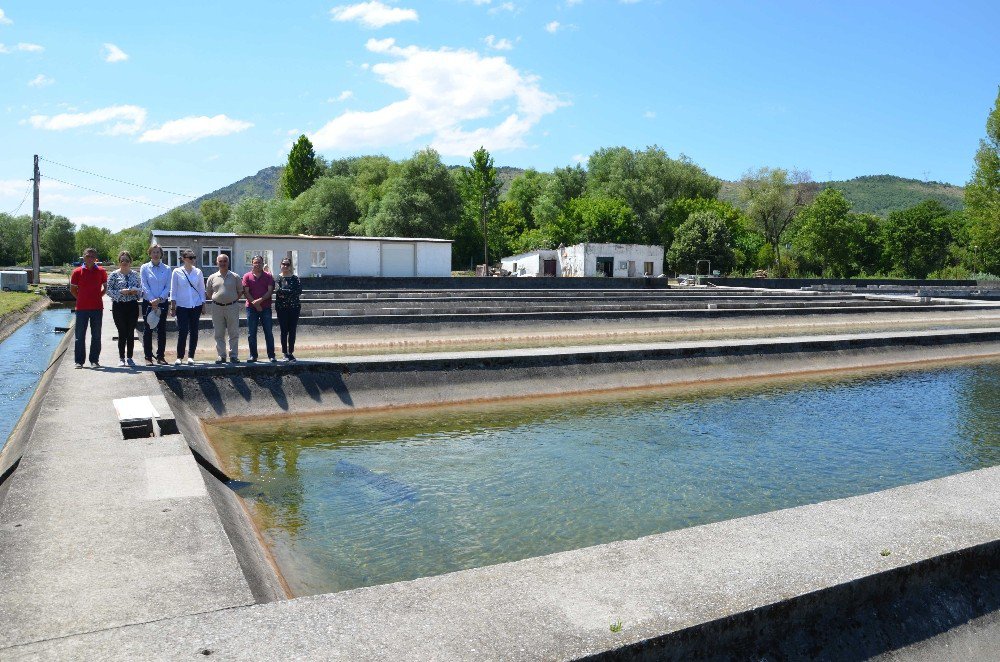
(648, 268)
(209, 256)
(317, 259)
(172, 257)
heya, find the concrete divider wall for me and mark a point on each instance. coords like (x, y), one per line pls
(474, 283)
(406, 380)
(796, 283)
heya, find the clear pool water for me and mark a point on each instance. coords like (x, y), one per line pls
(350, 501)
(24, 355)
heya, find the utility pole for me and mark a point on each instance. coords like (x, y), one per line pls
(36, 257)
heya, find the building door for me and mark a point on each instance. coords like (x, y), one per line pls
(631, 268)
(606, 266)
(548, 267)
(398, 259)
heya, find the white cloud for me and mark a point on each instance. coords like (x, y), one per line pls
(504, 6)
(579, 158)
(552, 27)
(189, 129)
(372, 14)
(498, 44)
(570, 3)
(11, 188)
(345, 95)
(112, 53)
(649, 114)
(23, 47)
(123, 119)
(446, 91)
(41, 80)
(4, 20)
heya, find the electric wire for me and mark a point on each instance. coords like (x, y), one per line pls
(120, 181)
(26, 192)
(110, 195)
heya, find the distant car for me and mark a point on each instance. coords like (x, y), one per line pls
(78, 262)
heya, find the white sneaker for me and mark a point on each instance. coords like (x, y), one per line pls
(122, 363)
(178, 362)
(190, 361)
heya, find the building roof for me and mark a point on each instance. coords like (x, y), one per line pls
(233, 235)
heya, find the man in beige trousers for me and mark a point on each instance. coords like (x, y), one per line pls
(223, 290)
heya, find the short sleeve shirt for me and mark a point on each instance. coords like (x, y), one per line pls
(88, 297)
(256, 287)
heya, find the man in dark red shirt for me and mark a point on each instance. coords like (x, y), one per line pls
(88, 284)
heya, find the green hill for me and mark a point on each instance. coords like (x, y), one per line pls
(880, 194)
(261, 185)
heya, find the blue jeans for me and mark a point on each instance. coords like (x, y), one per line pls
(94, 318)
(187, 326)
(262, 318)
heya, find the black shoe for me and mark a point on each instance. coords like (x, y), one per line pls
(292, 358)
(252, 359)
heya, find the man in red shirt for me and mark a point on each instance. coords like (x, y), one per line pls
(88, 284)
(258, 286)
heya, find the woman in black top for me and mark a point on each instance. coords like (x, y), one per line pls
(287, 289)
(124, 290)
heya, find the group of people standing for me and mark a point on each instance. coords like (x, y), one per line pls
(184, 293)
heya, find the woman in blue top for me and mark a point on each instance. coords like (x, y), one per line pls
(124, 290)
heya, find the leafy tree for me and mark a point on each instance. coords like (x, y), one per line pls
(135, 241)
(523, 193)
(703, 236)
(916, 239)
(92, 236)
(563, 185)
(327, 208)
(480, 190)
(594, 219)
(982, 197)
(182, 220)
(56, 240)
(867, 244)
(302, 170)
(15, 239)
(648, 181)
(216, 214)
(423, 201)
(278, 216)
(249, 216)
(771, 198)
(825, 234)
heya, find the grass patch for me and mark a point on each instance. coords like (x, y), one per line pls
(13, 301)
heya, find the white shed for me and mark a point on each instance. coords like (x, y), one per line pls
(314, 255)
(610, 260)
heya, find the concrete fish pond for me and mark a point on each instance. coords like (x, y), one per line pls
(357, 500)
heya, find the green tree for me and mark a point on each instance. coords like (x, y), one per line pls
(771, 198)
(15, 239)
(56, 240)
(216, 214)
(703, 236)
(422, 201)
(523, 193)
(92, 236)
(249, 216)
(278, 216)
(480, 191)
(982, 197)
(648, 181)
(825, 234)
(133, 240)
(182, 220)
(326, 208)
(302, 170)
(746, 242)
(868, 247)
(594, 219)
(916, 239)
(561, 186)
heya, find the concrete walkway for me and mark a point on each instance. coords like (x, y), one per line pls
(99, 532)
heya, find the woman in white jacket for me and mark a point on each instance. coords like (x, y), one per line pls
(187, 302)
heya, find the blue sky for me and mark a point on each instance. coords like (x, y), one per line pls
(187, 97)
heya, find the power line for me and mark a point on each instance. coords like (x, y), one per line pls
(120, 181)
(26, 192)
(110, 195)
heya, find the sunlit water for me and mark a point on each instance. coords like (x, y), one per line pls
(23, 357)
(368, 499)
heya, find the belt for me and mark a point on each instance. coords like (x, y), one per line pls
(225, 304)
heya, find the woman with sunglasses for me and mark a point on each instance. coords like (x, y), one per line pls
(287, 289)
(187, 302)
(124, 289)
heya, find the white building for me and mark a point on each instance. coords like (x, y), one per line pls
(611, 260)
(312, 255)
